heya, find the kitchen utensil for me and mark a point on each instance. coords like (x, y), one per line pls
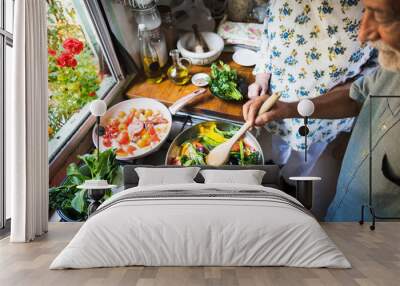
(192, 133)
(200, 44)
(185, 100)
(187, 42)
(245, 57)
(220, 154)
(125, 106)
(144, 103)
(200, 79)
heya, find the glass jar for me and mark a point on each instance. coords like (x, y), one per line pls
(239, 10)
(168, 26)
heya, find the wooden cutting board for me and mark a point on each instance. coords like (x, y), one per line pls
(167, 92)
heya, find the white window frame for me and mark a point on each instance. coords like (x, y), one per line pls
(83, 121)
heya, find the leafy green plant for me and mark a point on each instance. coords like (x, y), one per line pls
(224, 82)
(71, 200)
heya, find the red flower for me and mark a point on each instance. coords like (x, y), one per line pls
(92, 93)
(51, 52)
(66, 59)
(74, 46)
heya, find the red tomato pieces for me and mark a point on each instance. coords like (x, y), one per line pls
(123, 138)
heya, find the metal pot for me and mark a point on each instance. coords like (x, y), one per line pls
(192, 132)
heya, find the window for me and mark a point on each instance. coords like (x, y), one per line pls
(82, 66)
(6, 43)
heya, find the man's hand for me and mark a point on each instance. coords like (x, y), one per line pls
(259, 86)
(280, 110)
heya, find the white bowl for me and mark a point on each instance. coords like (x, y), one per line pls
(214, 41)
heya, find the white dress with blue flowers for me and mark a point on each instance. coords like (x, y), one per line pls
(311, 46)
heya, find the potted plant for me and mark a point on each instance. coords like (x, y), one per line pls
(70, 202)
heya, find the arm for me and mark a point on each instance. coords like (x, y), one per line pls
(335, 104)
(262, 76)
(259, 86)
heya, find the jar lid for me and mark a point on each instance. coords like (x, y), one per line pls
(142, 4)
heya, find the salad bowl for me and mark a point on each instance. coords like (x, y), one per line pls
(196, 141)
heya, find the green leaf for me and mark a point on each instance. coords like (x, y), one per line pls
(79, 202)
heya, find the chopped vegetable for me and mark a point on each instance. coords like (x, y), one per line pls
(224, 82)
(194, 151)
(130, 131)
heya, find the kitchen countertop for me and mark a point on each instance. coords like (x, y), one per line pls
(206, 105)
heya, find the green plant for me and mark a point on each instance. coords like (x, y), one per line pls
(224, 82)
(74, 73)
(68, 198)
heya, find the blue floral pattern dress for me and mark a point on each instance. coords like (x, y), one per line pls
(309, 47)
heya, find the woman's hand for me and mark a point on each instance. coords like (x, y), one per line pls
(280, 110)
(259, 86)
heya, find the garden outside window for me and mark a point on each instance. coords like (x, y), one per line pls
(81, 67)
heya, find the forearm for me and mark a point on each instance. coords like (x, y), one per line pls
(335, 104)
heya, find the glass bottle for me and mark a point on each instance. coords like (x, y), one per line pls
(149, 56)
(150, 17)
(179, 73)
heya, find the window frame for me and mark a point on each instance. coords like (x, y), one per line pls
(98, 19)
(6, 39)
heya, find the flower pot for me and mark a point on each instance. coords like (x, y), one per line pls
(66, 217)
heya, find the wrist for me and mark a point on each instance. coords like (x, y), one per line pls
(262, 79)
(291, 110)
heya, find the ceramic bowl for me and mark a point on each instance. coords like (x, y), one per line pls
(214, 41)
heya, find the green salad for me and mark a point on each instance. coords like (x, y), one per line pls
(193, 152)
(225, 83)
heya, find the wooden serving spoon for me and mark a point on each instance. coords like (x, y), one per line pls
(220, 154)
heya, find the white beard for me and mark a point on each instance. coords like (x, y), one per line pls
(388, 58)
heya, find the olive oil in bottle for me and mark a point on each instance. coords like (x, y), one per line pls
(178, 73)
(149, 57)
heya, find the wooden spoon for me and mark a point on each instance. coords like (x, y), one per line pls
(220, 154)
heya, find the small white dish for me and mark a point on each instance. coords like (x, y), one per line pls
(245, 57)
(95, 185)
(200, 79)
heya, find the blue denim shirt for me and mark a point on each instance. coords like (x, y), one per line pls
(353, 184)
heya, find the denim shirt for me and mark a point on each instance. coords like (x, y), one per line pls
(353, 184)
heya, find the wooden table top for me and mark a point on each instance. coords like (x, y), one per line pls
(167, 92)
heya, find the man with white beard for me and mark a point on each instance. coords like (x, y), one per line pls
(380, 27)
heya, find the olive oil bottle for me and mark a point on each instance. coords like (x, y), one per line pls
(149, 57)
(178, 73)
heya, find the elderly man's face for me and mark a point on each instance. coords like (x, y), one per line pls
(381, 27)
